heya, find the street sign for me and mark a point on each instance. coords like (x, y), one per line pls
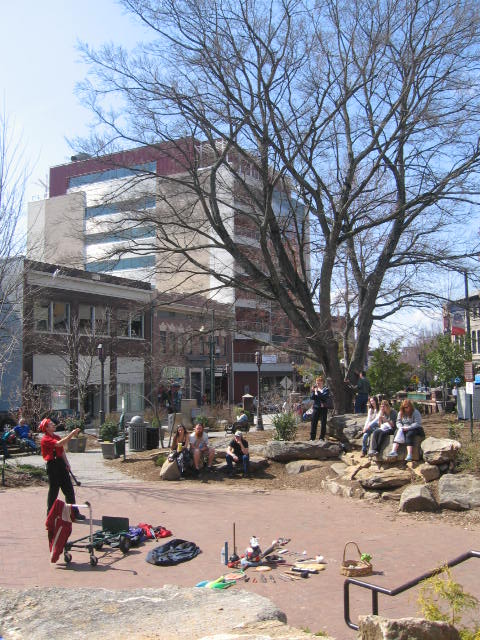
(469, 388)
(468, 371)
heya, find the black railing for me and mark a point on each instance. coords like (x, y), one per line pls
(375, 589)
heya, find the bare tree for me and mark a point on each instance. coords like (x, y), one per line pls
(13, 176)
(340, 135)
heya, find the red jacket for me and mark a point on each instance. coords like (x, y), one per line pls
(59, 526)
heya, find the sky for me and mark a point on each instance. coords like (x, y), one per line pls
(41, 67)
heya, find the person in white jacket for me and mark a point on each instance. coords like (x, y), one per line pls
(371, 423)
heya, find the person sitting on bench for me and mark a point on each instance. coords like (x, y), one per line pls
(24, 433)
(237, 451)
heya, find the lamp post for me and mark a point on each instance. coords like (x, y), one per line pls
(294, 378)
(227, 373)
(101, 357)
(258, 360)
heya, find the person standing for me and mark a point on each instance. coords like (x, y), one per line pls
(320, 394)
(363, 391)
(53, 453)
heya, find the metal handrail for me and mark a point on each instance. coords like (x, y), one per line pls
(375, 589)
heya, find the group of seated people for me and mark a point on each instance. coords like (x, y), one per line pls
(22, 434)
(382, 421)
(193, 451)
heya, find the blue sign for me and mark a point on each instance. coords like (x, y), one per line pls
(457, 380)
(477, 378)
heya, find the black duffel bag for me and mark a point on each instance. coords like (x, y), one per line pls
(173, 552)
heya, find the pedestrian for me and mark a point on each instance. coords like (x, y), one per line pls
(363, 391)
(320, 394)
(58, 467)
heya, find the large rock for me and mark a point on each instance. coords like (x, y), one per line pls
(383, 478)
(342, 488)
(402, 450)
(156, 614)
(347, 427)
(428, 472)
(256, 464)
(417, 497)
(268, 630)
(379, 628)
(439, 450)
(285, 451)
(300, 466)
(459, 492)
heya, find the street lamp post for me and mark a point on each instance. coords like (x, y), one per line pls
(212, 370)
(294, 378)
(227, 372)
(101, 357)
(258, 360)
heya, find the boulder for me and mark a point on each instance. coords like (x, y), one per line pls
(300, 466)
(383, 478)
(459, 492)
(100, 614)
(343, 489)
(439, 450)
(379, 628)
(402, 450)
(256, 463)
(347, 427)
(428, 472)
(265, 630)
(417, 497)
(286, 451)
(339, 468)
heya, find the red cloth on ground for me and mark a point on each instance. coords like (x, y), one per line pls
(59, 526)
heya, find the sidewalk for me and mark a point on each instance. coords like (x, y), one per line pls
(318, 523)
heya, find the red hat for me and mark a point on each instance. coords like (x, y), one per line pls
(44, 424)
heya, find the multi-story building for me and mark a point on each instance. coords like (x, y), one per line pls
(92, 211)
(455, 323)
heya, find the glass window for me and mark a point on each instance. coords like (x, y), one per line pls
(85, 313)
(41, 312)
(134, 397)
(59, 398)
(102, 321)
(136, 326)
(61, 317)
(162, 338)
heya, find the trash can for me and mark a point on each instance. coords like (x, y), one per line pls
(153, 437)
(137, 434)
(119, 444)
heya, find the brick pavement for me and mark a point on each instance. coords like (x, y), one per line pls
(203, 512)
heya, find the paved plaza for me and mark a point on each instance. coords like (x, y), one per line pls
(318, 523)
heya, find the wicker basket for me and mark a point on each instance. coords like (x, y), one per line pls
(355, 568)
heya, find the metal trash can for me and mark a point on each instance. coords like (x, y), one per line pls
(153, 437)
(119, 444)
(137, 434)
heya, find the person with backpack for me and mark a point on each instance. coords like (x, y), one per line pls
(58, 467)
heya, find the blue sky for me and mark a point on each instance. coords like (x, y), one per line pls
(41, 66)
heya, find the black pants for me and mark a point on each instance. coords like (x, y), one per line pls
(319, 413)
(378, 438)
(59, 478)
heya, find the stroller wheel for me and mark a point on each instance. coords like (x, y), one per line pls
(93, 561)
(124, 544)
(67, 557)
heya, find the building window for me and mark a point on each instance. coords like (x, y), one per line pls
(162, 338)
(111, 174)
(53, 317)
(102, 321)
(133, 395)
(130, 325)
(85, 319)
(122, 264)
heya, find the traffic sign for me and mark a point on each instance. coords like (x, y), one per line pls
(468, 371)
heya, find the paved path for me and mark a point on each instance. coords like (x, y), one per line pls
(318, 523)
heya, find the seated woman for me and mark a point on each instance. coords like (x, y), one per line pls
(181, 449)
(409, 425)
(386, 420)
(371, 423)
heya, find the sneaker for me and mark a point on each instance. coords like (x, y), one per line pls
(372, 453)
(409, 458)
(210, 469)
(392, 454)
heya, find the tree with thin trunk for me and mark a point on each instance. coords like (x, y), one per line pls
(339, 136)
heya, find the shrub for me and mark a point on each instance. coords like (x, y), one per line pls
(108, 431)
(468, 457)
(160, 459)
(285, 426)
(74, 423)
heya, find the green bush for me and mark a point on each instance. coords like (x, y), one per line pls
(108, 431)
(285, 426)
(74, 423)
(160, 459)
(468, 457)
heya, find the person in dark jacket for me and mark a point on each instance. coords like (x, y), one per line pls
(320, 394)
(363, 391)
